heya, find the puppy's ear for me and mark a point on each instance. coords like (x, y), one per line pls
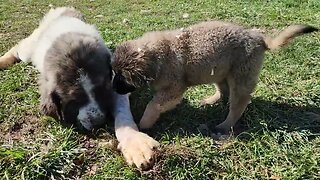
(122, 85)
(50, 105)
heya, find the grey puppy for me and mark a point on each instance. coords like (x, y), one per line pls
(225, 54)
(75, 68)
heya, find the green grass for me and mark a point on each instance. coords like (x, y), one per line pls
(280, 129)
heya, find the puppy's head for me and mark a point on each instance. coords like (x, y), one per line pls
(77, 85)
(132, 67)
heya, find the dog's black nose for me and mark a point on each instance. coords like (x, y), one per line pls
(122, 87)
(121, 91)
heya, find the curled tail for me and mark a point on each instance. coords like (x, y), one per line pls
(287, 34)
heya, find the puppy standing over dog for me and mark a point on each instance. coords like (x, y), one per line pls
(209, 52)
(75, 79)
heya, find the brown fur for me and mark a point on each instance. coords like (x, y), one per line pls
(209, 52)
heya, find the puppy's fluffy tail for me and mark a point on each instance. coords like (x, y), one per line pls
(287, 34)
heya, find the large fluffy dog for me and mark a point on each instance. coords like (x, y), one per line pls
(75, 80)
(209, 52)
(74, 65)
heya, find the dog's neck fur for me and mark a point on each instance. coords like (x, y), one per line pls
(158, 51)
(155, 52)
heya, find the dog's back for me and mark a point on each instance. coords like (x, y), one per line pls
(28, 47)
(58, 27)
(213, 48)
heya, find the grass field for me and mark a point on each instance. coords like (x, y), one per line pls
(278, 136)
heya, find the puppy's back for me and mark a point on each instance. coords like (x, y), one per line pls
(214, 48)
(217, 41)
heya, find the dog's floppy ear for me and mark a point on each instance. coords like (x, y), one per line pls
(57, 102)
(50, 105)
(50, 101)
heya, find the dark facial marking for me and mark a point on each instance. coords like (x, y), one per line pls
(71, 111)
(57, 101)
(71, 54)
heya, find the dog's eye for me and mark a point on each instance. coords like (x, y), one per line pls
(71, 111)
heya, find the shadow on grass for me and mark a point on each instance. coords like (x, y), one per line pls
(187, 119)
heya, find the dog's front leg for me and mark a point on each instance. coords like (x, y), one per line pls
(161, 102)
(138, 148)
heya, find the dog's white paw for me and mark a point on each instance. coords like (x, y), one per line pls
(139, 149)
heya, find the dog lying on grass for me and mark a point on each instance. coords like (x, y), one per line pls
(225, 54)
(74, 66)
(75, 80)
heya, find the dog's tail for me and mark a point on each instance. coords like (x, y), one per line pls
(287, 34)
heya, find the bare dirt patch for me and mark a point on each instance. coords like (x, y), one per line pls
(182, 154)
(22, 131)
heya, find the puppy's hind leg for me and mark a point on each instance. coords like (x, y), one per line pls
(239, 99)
(222, 91)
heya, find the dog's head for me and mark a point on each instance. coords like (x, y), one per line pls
(132, 67)
(76, 87)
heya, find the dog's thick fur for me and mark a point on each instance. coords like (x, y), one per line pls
(75, 68)
(75, 80)
(225, 54)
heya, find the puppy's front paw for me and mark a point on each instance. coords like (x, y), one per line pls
(139, 149)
